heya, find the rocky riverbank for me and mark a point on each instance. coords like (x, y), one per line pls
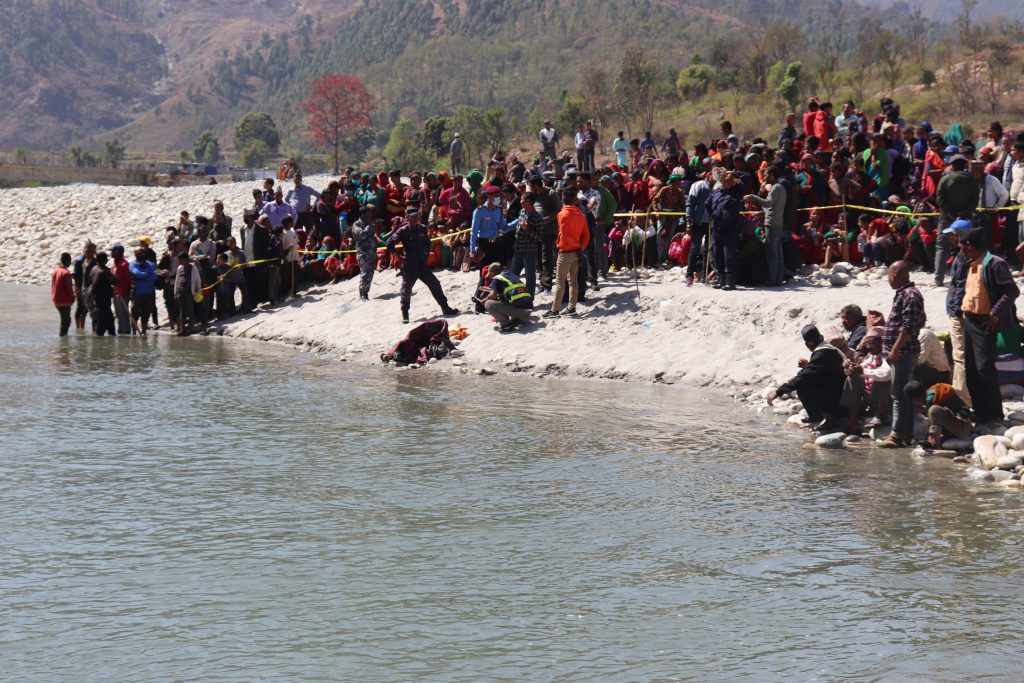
(653, 329)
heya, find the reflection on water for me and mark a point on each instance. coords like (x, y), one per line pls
(205, 509)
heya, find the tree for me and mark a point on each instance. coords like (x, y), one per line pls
(830, 50)
(113, 152)
(1001, 74)
(469, 122)
(573, 113)
(255, 154)
(256, 125)
(917, 32)
(433, 133)
(640, 87)
(206, 148)
(404, 150)
(964, 82)
(495, 128)
(863, 58)
(694, 81)
(792, 85)
(77, 156)
(337, 105)
(891, 52)
(597, 92)
(359, 142)
(963, 23)
(21, 155)
(784, 40)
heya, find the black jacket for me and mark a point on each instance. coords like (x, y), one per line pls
(823, 375)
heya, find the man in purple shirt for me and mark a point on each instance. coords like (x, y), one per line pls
(901, 347)
(278, 209)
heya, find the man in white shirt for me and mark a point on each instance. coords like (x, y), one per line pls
(548, 140)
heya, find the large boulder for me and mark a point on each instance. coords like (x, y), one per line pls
(978, 474)
(958, 445)
(831, 441)
(1012, 392)
(1016, 441)
(1010, 461)
(990, 449)
(1001, 475)
(839, 279)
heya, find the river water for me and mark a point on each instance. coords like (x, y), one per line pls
(205, 509)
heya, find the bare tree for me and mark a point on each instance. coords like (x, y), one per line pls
(891, 53)
(917, 30)
(1001, 75)
(830, 48)
(963, 81)
(596, 86)
(863, 60)
(963, 23)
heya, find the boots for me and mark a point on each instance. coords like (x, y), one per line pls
(730, 282)
(448, 310)
(405, 315)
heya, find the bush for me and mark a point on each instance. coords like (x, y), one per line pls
(254, 155)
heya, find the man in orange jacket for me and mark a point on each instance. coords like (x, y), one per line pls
(62, 292)
(573, 237)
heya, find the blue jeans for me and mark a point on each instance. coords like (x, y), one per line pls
(903, 408)
(526, 260)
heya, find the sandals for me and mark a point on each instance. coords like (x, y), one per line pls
(892, 441)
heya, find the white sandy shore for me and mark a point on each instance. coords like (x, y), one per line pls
(719, 339)
(711, 338)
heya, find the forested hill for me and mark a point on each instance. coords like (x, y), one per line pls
(68, 66)
(156, 73)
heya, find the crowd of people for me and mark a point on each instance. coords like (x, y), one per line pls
(878, 371)
(869, 190)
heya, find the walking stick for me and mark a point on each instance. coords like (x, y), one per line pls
(707, 254)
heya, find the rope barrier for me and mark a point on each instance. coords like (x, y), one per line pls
(355, 251)
(871, 209)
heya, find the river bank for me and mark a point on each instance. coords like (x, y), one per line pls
(650, 330)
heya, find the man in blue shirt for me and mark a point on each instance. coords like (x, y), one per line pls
(278, 209)
(303, 199)
(487, 226)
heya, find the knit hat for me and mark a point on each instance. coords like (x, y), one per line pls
(811, 335)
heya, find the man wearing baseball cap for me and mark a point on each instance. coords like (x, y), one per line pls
(412, 235)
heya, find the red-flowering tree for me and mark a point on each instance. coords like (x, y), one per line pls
(338, 105)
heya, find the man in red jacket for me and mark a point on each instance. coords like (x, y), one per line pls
(122, 290)
(62, 292)
(825, 128)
